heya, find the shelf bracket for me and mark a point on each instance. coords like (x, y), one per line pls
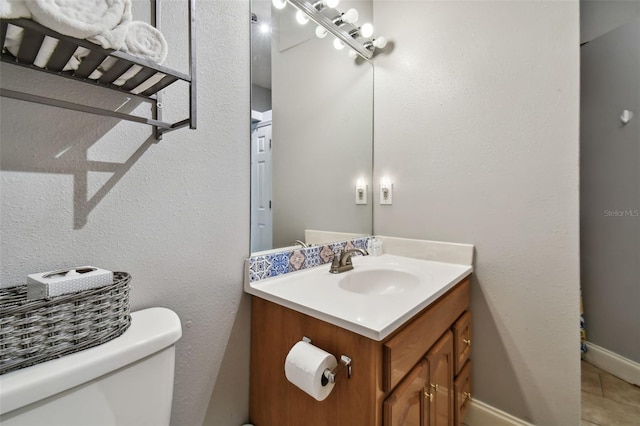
(21, 96)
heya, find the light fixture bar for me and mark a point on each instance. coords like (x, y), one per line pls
(325, 22)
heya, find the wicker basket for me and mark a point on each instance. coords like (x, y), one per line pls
(34, 331)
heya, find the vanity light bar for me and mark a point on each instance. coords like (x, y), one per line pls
(328, 24)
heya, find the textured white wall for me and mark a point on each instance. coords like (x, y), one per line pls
(476, 123)
(177, 219)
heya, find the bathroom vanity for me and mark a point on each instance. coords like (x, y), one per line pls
(414, 370)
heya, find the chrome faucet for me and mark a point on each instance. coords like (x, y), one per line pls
(298, 243)
(342, 260)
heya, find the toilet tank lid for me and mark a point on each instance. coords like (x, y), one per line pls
(151, 331)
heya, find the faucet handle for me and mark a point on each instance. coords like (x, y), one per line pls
(337, 254)
(335, 263)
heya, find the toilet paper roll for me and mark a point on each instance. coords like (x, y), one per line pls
(304, 367)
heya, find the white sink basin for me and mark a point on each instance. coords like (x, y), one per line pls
(379, 281)
(373, 299)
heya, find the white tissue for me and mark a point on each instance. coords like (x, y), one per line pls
(72, 274)
(304, 367)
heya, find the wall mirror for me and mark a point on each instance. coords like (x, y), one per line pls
(311, 131)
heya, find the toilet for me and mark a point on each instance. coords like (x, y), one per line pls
(127, 381)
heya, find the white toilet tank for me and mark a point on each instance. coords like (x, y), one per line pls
(127, 381)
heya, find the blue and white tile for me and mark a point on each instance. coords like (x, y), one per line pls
(361, 243)
(336, 247)
(326, 253)
(296, 260)
(279, 263)
(312, 257)
(259, 268)
(272, 265)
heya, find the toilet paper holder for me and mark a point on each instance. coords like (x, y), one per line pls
(329, 376)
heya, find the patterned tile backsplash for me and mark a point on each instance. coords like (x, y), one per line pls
(287, 260)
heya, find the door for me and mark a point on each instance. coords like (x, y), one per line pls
(440, 361)
(261, 187)
(610, 189)
(462, 393)
(408, 405)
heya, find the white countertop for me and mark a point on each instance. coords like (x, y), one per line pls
(318, 293)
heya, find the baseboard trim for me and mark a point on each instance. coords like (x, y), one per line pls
(612, 363)
(481, 414)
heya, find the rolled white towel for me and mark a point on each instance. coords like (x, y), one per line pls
(49, 44)
(79, 18)
(144, 41)
(130, 73)
(148, 83)
(114, 38)
(13, 40)
(14, 9)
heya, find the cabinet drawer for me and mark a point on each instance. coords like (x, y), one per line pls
(462, 394)
(406, 406)
(405, 349)
(462, 340)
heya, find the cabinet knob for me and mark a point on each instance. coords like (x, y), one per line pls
(467, 341)
(428, 395)
(435, 387)
(467, 395)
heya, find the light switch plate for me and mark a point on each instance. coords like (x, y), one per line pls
(361, 194)
(386, 194)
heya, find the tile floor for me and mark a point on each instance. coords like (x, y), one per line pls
(608, 400)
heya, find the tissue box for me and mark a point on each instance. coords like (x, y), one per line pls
(57, 283)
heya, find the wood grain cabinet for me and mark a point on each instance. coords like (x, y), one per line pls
(440, 391)
(409, 404)
(462, 340)
(425, 395)
(462, 393)
(411, 378)
(462, 351)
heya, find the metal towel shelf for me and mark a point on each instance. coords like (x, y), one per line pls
(33, 37)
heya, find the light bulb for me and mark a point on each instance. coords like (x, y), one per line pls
(352, 54)
(380, 42)
(264, 28)
(301, 18)
(350, 16)
(366, 30)
(321, 32)
(338, 44)
(279, 4)
(331, 3)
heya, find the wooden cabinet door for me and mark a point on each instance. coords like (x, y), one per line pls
(409, 403)
(462, 393)
(440, 361)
